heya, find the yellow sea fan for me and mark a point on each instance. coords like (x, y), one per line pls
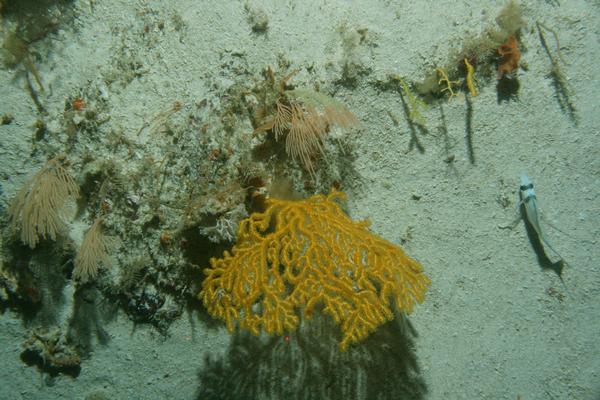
(301, 255)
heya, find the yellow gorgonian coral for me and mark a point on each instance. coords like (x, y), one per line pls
(300, 255)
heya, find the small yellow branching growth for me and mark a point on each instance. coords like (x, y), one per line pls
(299, 255)
(414, 103)
(470, 79)
(444, 80)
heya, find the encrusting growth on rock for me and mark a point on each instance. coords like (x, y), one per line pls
(510, 57)
(307, 254)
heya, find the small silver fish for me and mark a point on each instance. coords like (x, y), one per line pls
(529, 202)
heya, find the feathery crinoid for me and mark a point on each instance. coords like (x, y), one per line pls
(304, 117)
(39, 211)
(93, 253)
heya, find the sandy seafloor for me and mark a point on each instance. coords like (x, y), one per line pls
(495, 324)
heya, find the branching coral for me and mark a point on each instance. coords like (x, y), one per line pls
(301, 255)
(563, 92)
